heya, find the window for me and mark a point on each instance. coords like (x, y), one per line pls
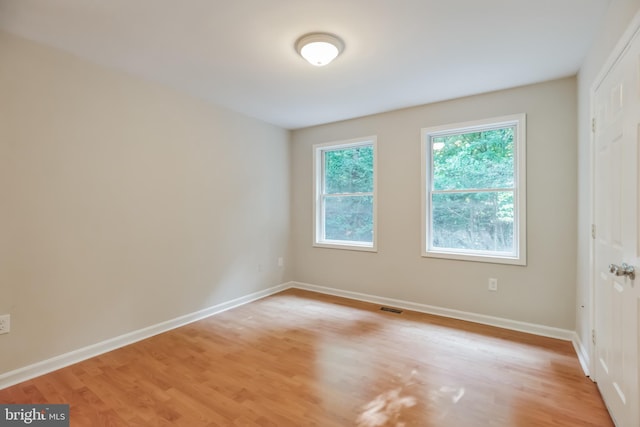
(345, 194)
(474, 191)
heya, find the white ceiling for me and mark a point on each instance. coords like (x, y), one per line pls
(240, 54)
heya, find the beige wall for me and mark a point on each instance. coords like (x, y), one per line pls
(124, 204)
(618, 18)
(543, 292)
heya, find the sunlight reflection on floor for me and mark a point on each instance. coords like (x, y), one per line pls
(445, 399)
(387, 407)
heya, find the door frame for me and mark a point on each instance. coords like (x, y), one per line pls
(633, 30)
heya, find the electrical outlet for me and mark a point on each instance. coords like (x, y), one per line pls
(280, 262)
(5, 323)
(493, 285)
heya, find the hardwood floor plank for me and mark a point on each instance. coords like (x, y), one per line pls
(304, 359)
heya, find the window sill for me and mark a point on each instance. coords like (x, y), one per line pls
(488, 258)
(344, 246)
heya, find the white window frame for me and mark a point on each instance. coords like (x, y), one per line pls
(519, 257)
(318, 194)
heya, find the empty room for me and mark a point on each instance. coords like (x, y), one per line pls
(366, 213)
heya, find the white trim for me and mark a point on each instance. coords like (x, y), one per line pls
(582, 353)
(352, 246)
(318, 172)
(519, 256)
(620, 48)
(43, 367)
(515, 325)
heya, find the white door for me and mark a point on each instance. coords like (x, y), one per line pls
(617, 296)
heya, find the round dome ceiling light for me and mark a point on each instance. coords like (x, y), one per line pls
(319, 48)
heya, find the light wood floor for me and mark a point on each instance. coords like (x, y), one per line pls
(304, 359)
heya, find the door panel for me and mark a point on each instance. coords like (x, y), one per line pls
(617, 195)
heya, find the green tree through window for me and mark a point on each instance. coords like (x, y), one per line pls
(475, 189)
(481, 219)
(345, 194)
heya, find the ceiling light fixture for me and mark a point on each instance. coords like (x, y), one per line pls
(319, 48)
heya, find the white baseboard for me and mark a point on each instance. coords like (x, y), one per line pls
(40, 368)
(531, 328)
(583, 354)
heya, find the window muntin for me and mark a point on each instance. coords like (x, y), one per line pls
(345, 202)
(474, 191)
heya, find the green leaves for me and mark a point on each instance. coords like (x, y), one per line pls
(348, 194)
(349, 170)
(474, 221)
(473, 160)
(349, 218)
(481, 218)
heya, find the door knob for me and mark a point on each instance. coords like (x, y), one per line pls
(623, 270)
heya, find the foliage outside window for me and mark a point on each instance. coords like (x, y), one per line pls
(474, 195)
(344, 174)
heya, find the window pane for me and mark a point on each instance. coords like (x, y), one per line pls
(349, 218)
(473, 160)
(349, 170)
(476, 221)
